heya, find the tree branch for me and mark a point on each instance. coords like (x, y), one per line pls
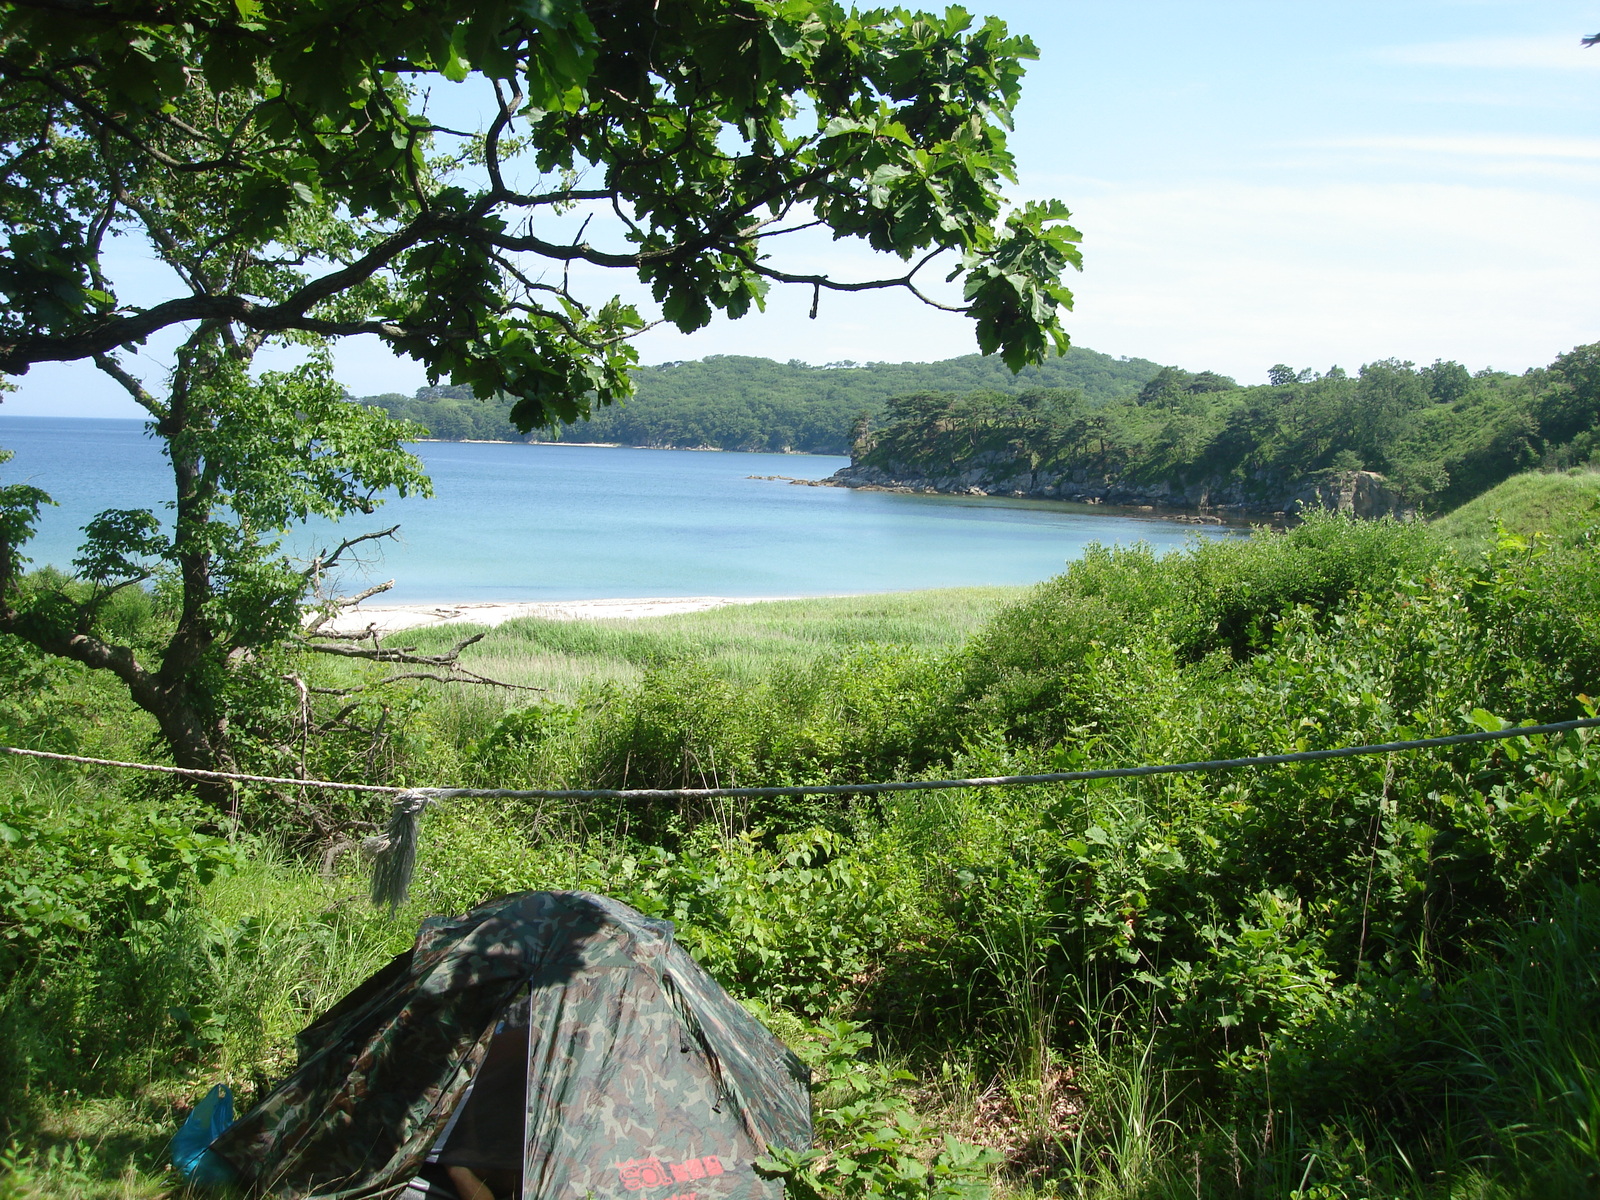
(98, 116)
(132, 386)
(459, 674)
(387, 654)
(325, 561)
(111, 331)
(84, 648)
(400, 656)
(907, 281)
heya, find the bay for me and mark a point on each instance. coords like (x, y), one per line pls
(528, 523)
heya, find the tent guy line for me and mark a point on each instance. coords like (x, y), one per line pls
(431, 794)
(394, 852)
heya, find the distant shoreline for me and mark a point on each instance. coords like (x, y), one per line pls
(620, 446)
(509, 442)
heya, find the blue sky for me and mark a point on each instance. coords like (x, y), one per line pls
(1255, 182)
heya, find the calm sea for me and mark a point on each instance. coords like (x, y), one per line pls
(515, 522)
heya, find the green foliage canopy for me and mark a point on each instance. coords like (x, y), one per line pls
(707, 128)
(279, 162)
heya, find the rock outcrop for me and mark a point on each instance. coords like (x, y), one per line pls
(1364, 494)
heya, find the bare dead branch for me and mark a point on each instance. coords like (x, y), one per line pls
(328, 610)
(387, 654)
(324, 561)
(460, 675)
(369, 633)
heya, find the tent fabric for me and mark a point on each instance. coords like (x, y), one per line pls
(644, 1079)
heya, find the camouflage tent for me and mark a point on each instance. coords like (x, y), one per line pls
(561, 1032)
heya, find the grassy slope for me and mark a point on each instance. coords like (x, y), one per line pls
(1559, 505)
(743, 641)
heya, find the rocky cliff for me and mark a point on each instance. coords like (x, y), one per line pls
(1364, 494)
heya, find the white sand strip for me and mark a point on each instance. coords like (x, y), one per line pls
(393, 618)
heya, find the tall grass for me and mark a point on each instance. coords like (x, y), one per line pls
(101, 1054)
(1520, 1046)
(741, 642)
(1561, 505)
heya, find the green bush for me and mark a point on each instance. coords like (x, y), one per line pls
(1359, 977)
(67, 874)
(795, 920)
(1033, 672)
(800, 925)
(870, 1143)
(1534, 600)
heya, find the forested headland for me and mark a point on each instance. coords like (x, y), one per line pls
(1437, 436)
(732, 402)
(1085, 426)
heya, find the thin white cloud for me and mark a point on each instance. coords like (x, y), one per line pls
(1235, 277)
(1562, 53)
(1476, 145)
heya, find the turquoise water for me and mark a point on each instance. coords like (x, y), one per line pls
(516, 522)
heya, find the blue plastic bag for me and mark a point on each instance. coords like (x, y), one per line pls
(190, 1148)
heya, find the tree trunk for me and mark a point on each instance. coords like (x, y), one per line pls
(198, 741)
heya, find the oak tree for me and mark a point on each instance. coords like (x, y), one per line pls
(284, 163)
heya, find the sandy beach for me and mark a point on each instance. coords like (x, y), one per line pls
(391, 618)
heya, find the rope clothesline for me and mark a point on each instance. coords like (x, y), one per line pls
(197, 773)
(829, 789)
(395, 851)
